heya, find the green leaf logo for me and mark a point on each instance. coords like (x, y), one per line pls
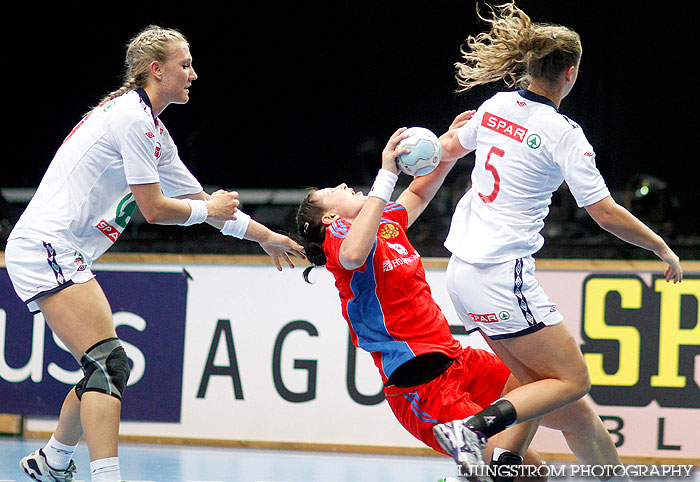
(534, 141)
(125, 210)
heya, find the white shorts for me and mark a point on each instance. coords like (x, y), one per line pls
(37, 268)
(502, 300)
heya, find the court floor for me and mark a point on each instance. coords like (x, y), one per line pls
(184, 463)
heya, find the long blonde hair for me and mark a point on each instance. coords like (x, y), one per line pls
(151, 44)
(515, 49)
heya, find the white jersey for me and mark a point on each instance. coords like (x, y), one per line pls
(525, 149)
(84, 198)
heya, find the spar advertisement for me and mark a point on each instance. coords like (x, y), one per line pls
(229, 349)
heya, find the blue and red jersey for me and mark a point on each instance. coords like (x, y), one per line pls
(387, 302)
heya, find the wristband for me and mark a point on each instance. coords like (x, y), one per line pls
(383, 185)
(236, 227)
(198, 212)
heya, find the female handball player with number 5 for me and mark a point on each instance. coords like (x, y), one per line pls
(525, 149)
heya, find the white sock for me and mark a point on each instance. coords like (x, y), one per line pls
(105, 470)
(58, 455)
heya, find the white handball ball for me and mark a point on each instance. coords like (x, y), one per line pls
(425, 154)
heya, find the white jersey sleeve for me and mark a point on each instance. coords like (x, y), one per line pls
(135, 140)
(152, 157)
(467, 133)
(575, 157)
(175, 178)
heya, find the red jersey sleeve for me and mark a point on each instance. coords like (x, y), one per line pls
(335, 235)
(397, 213)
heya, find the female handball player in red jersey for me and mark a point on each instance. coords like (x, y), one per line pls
(428, 376)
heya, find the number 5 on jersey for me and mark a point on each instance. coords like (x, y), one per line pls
(496, 178)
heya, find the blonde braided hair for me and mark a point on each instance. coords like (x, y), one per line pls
(516, 50)
(151, 44)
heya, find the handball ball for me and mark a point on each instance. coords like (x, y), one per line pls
(425, 152)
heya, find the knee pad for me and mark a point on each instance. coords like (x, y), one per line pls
(106, 369)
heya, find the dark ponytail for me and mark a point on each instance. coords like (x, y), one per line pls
(311, 231)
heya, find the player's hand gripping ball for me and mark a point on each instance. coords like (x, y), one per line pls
(425, 154)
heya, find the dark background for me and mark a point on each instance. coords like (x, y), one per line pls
(305, 94)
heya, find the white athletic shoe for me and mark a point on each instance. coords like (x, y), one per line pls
(36, 467)
(465, 446)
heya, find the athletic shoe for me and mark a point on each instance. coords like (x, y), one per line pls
(466, 446)
(36, 467)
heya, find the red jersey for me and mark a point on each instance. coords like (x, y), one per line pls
(387, 302)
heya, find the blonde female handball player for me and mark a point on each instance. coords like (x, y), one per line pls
(525, 149)
(119, 156)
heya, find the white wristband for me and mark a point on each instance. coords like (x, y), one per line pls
(198, 212)
(236, 227)
(383, 185)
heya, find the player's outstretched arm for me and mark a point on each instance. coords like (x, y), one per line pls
(363, 233)
(158, 209)
(278, 246)
(619, 221)
(416, 197)
(449, 142)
